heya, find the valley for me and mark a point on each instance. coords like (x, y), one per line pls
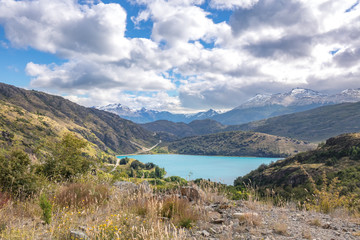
(67, 152)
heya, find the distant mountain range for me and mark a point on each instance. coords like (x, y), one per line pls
(144, 115)
(259, 107)
(297, 100)
(312, 125)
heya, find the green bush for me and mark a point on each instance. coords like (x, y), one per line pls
(46, 207)
(124, 161)
(137, 165)
(66, 159)
(176, 179)
(159, 172)
(149, 166)
(16, 174)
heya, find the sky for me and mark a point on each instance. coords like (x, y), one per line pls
(179, 55)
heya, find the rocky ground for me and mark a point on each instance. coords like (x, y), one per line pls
(251, 220)
(223, 219)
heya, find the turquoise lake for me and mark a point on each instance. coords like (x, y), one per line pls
(216, 168)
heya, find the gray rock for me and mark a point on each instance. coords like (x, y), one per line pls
(218, 221)
(78, 235)
(130, 187)
(126, 186)
(205, 233)
(191, 193)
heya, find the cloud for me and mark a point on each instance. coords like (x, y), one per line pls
(87, 75)
(267, 46)
(159, 100)
(348, 58)
(232, 4)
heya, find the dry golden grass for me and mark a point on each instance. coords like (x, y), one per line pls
(280, 228)
(315, 222)
(97, 215)
(80, 195)
(307, 234)
(251, 219)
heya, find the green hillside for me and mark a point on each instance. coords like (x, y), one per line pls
(180, 129)
(313, 125)
(338, 158)
(239, 144)
(29, 118)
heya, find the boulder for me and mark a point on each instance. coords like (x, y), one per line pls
(78, 235)
(126, 186)
(191, 192)
(130, 187)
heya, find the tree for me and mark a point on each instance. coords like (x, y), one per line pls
(16, 174)
(66, 158)
(124, 161)
(136, 165)
(159, 172)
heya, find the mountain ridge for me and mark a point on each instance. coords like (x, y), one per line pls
(261, 106)
(107, 130)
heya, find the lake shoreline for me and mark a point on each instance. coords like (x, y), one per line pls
(224, 169)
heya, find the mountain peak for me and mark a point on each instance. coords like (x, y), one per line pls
(303, 92)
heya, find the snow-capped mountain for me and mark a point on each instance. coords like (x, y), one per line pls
(264, 106)
(146, 115)
(295, 97)
(348, 95)
(258, 107)
(119, 109)
(301, 97)
(202, 115)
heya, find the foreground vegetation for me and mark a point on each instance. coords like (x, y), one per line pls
(67, 194)
(323, 179)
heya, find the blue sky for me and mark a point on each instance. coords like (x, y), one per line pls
(178, 55)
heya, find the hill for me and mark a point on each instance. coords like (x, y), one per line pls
(32, 117)
(312, 125)
(338, 158)
(239, 144)
(180, 129)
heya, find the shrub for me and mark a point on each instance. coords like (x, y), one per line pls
(137, 165)
(16, 174)
(66, 159)
(46, 207)
(124, 161)
(4, 199)
(176, 179)
(149, 166)
(159, 172)
(280, 228)
(179, 211)
(80, 195)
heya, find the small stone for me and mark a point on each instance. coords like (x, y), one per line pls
(213, 230)
(205, 233)
(78, 235)
(218, 221)
(214, 215)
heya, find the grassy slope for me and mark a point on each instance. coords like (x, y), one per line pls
(239, 144)
(336, 158)
(180, 130)
(106, 130)
(312, 125)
